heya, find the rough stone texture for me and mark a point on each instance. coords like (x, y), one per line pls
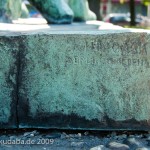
(81, 10)
(10, 9)
(75, 80)
(54, 11)
(8, 85)
(94, 80)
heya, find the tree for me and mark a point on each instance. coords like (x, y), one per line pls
(132, 12)
(146, 2)
(95, 7)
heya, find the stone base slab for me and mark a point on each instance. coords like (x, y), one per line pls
(96, 80)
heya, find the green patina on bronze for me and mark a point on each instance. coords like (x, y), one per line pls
(64, 11)
(54, 11)
(81, 10)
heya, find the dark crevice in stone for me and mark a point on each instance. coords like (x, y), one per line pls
(73, 122)
(23, 101)
(14, 93)
(17, 79)
(20, 66)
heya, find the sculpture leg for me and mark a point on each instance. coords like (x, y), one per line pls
(4, 17)
(95, 7)
(24, 12)
(9, 10)
(54, 11)
(81, 10)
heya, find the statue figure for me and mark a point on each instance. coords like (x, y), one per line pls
(54, 11)
(81, 10)
(10, 9)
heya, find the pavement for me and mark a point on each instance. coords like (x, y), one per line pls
(73, 140)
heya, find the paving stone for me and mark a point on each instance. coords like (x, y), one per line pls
(77, 144)
(56, 143)
(143, 148)
(118, 146)
(100, 147)
(134, 143)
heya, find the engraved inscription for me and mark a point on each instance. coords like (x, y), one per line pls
(78, 60)
(99, 51)
(127, 62)
(126, 49)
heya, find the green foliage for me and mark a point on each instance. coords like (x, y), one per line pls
(146, 2)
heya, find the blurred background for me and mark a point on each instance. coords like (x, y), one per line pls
(125, 13)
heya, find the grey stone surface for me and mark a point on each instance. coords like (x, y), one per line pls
(75, 80)
(143, 148)
(100, 147)
(134, 142)
(94, 80)
(8, 84)
(118, 146)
